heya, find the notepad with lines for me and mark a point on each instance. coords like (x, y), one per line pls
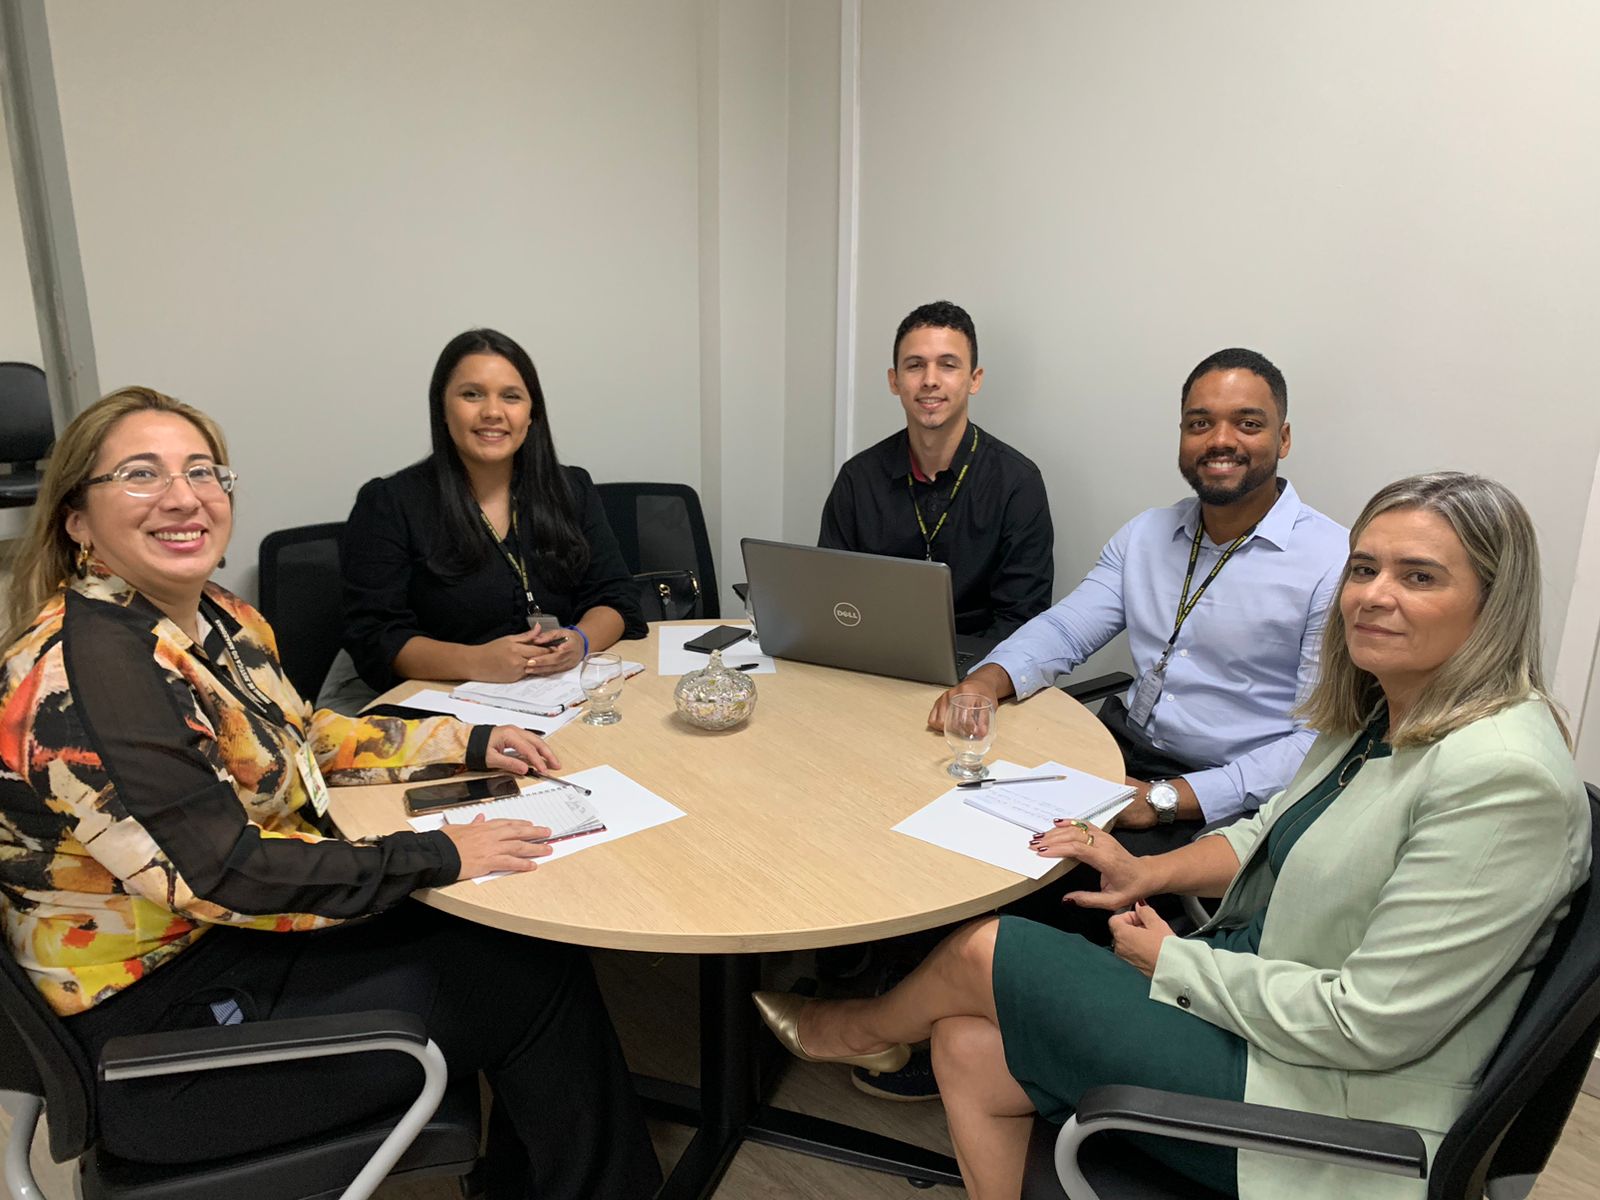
(541, 695)
(1037, 806)
(566, 812)
(624, 806)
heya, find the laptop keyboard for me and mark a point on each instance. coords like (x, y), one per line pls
(963, 657)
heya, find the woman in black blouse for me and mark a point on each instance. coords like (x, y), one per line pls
(488, 560)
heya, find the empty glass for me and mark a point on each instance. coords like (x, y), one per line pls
(750, 615)
(600, 677)
(969, 732)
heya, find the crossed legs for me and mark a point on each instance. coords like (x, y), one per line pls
(950, 1000)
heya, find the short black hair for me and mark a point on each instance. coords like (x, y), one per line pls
(1238, 359)
(941, 314)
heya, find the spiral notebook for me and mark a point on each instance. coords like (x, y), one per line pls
(566, 812)
(1037, 806)
(540, 695)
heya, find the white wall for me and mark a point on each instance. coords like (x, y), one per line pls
(285, 210)
(19, 326)
(811, 264)
(1394, 202)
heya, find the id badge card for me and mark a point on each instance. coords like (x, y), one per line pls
(1147, 693)
(311, 776)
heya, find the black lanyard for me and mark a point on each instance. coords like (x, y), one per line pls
(243, 687)
(518, 567)
(1186, 603)
(927, 538)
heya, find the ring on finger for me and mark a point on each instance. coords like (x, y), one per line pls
(1080, 825)
(1089, 841)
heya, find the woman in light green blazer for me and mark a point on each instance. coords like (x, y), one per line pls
(1380, 918)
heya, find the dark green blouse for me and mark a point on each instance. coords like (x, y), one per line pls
(1294, 821)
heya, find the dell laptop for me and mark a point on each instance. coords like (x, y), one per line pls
(861, 612)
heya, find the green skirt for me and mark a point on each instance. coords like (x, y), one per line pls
(1075, 1016)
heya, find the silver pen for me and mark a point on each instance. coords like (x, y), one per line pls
(564, 783)
(983, 783)
(510, 752)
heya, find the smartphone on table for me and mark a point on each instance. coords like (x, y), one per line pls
(435, 796)
(719, 638)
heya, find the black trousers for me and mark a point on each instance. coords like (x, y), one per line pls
(1143, 761)
(527, 1013)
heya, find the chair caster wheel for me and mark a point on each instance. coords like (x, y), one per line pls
(923, 1184)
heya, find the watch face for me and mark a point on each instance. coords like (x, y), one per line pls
(1163, 797)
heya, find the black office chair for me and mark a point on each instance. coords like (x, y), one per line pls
(300, 589)
(662, 531)
(1502, 1140)
(1087, 691)
(44, 1068)
(27, 431)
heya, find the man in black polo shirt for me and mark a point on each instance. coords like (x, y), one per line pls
(946, 490)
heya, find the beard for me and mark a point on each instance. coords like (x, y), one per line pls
(1221, 495)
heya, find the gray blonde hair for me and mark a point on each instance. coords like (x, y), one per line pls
(45, 554)
(1499, 663)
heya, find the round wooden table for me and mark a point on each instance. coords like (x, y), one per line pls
(788, 843)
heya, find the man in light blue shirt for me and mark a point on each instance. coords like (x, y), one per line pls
(1205, 730)
(1210, 705)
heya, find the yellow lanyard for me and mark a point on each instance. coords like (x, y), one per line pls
(1185, 602)
(518, 568)
(927, 538)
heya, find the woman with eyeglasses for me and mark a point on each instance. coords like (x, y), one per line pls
(165, 861)
(1380, 918)
(488, 560)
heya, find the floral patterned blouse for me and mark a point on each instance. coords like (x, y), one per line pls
(147, 794)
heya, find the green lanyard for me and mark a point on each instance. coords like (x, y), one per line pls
(1186, 603)
(927, 538)
(518, 568)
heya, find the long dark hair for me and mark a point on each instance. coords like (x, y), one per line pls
(538, 484)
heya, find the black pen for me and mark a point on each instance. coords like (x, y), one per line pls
(973, 784)
(747, 666)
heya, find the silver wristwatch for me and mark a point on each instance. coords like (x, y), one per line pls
(1163, 797)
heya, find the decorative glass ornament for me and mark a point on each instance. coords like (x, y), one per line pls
(716, 696)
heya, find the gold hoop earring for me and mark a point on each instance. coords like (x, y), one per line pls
(80, 566)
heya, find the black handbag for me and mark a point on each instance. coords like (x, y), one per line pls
(668, 595)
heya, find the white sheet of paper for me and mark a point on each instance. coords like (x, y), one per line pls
(953, 824)
(431, 700)
(675, 660)
(625, 806)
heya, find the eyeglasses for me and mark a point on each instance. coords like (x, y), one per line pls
(146, 483)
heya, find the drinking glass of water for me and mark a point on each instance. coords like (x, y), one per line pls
(600, 677)
(969, 732)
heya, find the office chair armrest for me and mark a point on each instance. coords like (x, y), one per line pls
(252, 1043)
(1087, 691)
(1371, 1145)
(1194, 906)
(214, 1046)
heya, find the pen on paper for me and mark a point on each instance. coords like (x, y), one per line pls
(564, 783)
(747, 666)
(983, 783)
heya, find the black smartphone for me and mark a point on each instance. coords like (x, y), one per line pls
(434, 796)
(719, 638)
